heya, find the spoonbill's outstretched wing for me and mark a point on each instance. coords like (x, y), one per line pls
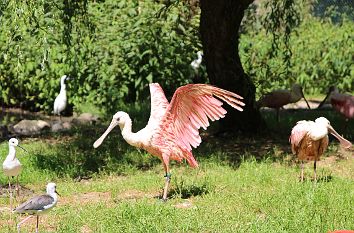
(159, 105)
(190, 108)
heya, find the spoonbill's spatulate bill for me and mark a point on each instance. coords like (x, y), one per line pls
(172, 129)
(12, 166)
(38, 205)
(61, 100)
(309, 140)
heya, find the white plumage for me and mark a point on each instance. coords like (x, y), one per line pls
(61, 100)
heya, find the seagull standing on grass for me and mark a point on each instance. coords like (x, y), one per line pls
(38, 205)
(61, 100)
(12, 166)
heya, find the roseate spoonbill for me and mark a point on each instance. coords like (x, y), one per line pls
(309, 140)
(60, 100)
(196, 63)
(12, 166)
(38, 205)
(278, 98)
(172, 129)
(342, 231)
(342, 103)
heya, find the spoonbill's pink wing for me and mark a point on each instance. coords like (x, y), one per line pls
(159, 105)
(298, 133)
(343, 103)
(190, 108)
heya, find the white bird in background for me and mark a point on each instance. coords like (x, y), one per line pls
(309, 140)
(12, 166)
(61, 100)
(38, 205)
(196, 63)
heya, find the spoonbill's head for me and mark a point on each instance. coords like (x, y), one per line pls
(324, 125)
(51, 188)
(120, 118)
(63, 79)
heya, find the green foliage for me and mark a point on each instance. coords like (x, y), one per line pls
(111, 49)
(321, 56)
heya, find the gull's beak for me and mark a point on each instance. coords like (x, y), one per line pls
(305, 99)
(57, 193)
(99, 141)
(344, 142)
(22, 148)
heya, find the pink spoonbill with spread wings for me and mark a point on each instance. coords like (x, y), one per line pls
(172, 129)
(309, 140)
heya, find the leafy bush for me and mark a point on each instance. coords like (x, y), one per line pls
(112, 50)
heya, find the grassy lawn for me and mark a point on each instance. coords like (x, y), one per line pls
(242, 185)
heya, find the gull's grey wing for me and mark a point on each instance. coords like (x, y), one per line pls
(35, 203)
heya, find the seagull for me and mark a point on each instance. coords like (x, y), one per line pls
(61, 100)
(38, 205)
(12, 166)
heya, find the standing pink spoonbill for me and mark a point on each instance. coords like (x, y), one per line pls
(278, 98)
(309, 140)
(172, 129)
(342, 103)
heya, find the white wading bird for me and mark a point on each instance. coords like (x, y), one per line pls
(61, 100)
(12, 166)
(309, 140)
(38, 205)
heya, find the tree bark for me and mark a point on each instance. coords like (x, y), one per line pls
(219, 27)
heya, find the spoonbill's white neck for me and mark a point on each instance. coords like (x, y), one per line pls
(128, 135)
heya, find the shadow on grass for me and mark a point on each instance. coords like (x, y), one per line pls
(71, 154)
(187, 191)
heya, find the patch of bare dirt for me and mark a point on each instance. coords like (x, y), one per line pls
(185, 205)
(135, 194)
(85, 229)
(85, 198)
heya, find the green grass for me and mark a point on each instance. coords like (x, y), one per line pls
(256, 196)
(242, 185)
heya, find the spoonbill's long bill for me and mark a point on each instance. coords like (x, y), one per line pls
(61, 100)
(12, 166)
(278, 98)
(172, 129)
(38, 205)
(309, 140)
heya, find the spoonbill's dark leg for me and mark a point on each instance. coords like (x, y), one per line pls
(24, 220)
(314, 169)
(167, 176)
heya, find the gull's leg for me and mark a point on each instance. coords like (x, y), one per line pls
(17, 187)
(10, 194)
(24, 220)
(37, 224)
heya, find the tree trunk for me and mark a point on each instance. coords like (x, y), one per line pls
(219, 27)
